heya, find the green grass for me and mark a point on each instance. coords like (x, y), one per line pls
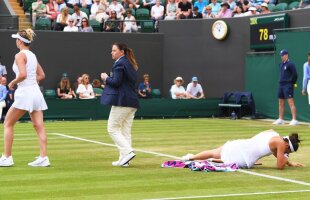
(82, 170)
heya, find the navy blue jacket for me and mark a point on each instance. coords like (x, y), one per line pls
(288, 73)
(120, 87)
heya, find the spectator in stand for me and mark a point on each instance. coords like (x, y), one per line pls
(177, 90)
(9, 97)
(144, 89)
(72, 3)
(200, 4)
(64, 90)
(216, 7)
(195, 14)
(184, 9)
(118, 8)
(71, 27)
(38, 10)
(171, 10)
(77, 83)
(97, 84)
(86, 4)
(52, 10)
(246, 5)
(130, 24)
(62, 19)
(3, 94)
(264, 8)
(148, 3)
(85, 26)
(157, 13)
(225, 12)
(61, 5)
(232, 4)
(129, 4)
(85, 90)
(99, 11)
(77, 16)
(304, 4)
(207, 13)
(3, 71)
(252, 11)
(239, 11)
(194, 90)
(112, 25)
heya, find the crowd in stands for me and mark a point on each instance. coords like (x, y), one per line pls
(193, 89)
(119, 15)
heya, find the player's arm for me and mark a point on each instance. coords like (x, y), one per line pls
(40, 73)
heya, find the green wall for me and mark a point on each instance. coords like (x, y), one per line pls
(262, 75)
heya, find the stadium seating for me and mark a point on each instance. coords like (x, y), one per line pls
(280, 7)
(147, 26)
(27, 5)
(271, 7)
(98, 91)
(293, 5)
(142, 14)
(71, 11)
(50, 93)
(155, 93)
(43, 24)
(85, 10)
(95, 25)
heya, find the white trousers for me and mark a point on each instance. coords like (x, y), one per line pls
(2, 105)
(119, 128)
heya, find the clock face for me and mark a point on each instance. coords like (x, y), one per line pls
(219, 30)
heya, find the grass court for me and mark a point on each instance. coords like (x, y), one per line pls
(81, 153)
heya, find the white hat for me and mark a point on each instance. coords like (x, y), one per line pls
(264, 5)
(179, 78)
(252, 8)
(17, 36)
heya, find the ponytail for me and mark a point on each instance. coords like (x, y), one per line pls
(132, 59)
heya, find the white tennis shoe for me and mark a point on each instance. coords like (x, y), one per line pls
(186, 157)
(6, 161)
(294, 122)
(127, 158)
(116, 164)
(40, 162)
(278, 122)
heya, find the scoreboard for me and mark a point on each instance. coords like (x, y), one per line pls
(261, 30)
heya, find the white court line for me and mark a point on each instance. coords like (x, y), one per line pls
(233, 195)
(175, 157)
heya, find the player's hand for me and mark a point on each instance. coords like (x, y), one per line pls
(11, 85)
(104, 76)
(293, 164)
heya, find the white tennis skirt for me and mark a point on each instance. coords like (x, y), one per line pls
(29, 98)
(234, 152)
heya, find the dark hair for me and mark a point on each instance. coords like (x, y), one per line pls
(308, 54)
(76, 8)
(294, 138)
(84, 18)
(129, 53)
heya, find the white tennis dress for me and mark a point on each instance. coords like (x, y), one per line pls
(28, 95)
(246, 152)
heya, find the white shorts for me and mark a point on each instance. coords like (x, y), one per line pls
(29, 98)
(232, 152)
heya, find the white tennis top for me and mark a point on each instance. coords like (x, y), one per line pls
(31, 68)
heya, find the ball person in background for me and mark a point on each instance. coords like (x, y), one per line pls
(28, 98)
(120, 93)
(306, 82)
(288, 78)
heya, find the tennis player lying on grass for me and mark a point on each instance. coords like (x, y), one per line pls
(246, 152)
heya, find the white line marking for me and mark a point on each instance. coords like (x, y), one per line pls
(175, 157)
(231, 195)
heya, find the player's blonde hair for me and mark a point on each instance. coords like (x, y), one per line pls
(27, 34)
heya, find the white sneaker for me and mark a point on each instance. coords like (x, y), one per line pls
(127, 158)
(186, 157)
(278, 122)
(294, 122)
(6, 161)
(116, 164)
(137, 6)
(40, 162)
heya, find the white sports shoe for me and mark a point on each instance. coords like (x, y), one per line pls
(186, 157)
(6, 161)
(116, 164)
(294, 122)
(137, 6)
(127, 158)
(40, 162)
(278, 122)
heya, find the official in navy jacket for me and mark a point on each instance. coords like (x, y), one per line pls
(288, 78)
(120, 93)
